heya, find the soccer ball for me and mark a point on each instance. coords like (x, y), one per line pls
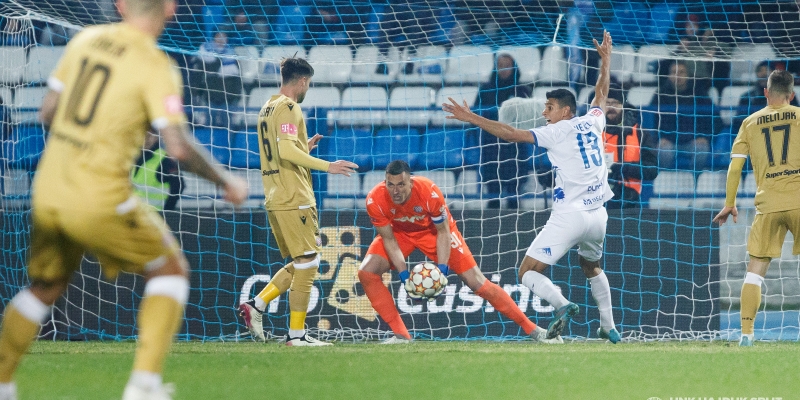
(427, 280)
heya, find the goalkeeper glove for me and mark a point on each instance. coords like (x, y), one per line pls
(411, 290)
(443, 285)
(444, 268)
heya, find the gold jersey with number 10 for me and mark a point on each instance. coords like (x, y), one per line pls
(114, 84)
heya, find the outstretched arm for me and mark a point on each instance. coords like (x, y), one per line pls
(499, 129)
(734, 175)
(604, 79)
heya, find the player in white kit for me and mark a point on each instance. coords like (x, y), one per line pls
(575, 148)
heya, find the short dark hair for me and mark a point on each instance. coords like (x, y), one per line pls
(397, 167)
(293, 68)
(564, 98)
(781, 82)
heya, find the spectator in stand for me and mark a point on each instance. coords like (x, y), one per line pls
(755, 99)
(241, 33)
(630, 152)
(326, 27)
(502, 168)
(216, 72)
(684, 119)
(696, 40)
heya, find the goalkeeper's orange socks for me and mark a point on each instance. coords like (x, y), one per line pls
(502, 302)
(750, 301)
(277, 286)
(21, 322)
(382, 302)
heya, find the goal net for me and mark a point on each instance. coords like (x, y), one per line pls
(687, 73)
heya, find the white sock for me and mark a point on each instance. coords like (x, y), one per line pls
(601, 292)
(296, 333)
(261, 305)
(145, 380)
(543, 287)
(8, 390)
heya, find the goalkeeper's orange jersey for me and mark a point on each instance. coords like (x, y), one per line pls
(424, 208)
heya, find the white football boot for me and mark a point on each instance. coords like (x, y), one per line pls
(397, 340)
(8, 391)
(135, 392)
(539, 335)
(306, 340)
(253, 320)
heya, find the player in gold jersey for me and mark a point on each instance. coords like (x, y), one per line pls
(770, 138)
(110, 85)
(291, 207)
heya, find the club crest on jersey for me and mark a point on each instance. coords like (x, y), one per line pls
(417, 209)
(558, 195)
(596, 112)
(290, 129)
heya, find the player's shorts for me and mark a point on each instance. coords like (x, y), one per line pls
(587, 229)
(296, 231)
(769, 230)
(461, 258)
(136, 240)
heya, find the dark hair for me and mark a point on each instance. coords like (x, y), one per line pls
(397, 167)
(781, 82)
(293, 68)
(616, 93)
(564, 98)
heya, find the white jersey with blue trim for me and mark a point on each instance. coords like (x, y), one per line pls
(575, 148)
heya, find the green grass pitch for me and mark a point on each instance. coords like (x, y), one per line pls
(424, 370)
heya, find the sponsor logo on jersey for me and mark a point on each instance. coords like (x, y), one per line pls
(412, 219)
(596, 112)
(289, 129)
(173, 104)
(594, 188)
(417, 209)
(558, 195)
(268, 173)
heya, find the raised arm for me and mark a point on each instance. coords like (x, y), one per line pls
(499, 129)
(604, 79)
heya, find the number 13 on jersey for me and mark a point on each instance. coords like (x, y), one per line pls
(590, 149)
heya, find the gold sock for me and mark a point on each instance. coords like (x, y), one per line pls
(300, 296)
(159, 320)
(297, 320)
(278, 285)
(16, 336)
(750, 302)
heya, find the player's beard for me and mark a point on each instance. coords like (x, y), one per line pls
(301, 97)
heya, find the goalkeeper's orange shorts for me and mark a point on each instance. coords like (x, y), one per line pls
(461, 258)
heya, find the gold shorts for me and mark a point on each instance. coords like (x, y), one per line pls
(135, 241)
(769, 231)
(296, 231)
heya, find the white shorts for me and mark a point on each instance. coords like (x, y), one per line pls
(587, 229)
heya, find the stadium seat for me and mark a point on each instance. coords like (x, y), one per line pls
(673, 190)
(371, 179)
(396, 143)
(370, 66)
(216, 141)
(729, 102)
(583, 99)
(528, 61)
(27, 101)
(442, 149)
(5, 95)
(255, 187)
(622, 62)
(410, 106)
(744, 72)
(349, 144)
(469, 64)
(323, 97)
(662, 17)
(15, 188)
(429, 64)
(446, 180)
(711, 190)
(641, 96)
(42, 61)
(245, 150)
(270, 63)
(12, 64)
(361, 106)
(342, 192)
(248, 62)
(468, 183)
(290, 25)
(646, 65)
(26, 147)
(553, 67)
(459, 94)
(332, 64)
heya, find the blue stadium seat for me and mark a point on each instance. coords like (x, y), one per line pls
(25, 147)
(662, 18)
(245, 150)
(396, 143)
(444, 149)
(217, 141)
(349, 144)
